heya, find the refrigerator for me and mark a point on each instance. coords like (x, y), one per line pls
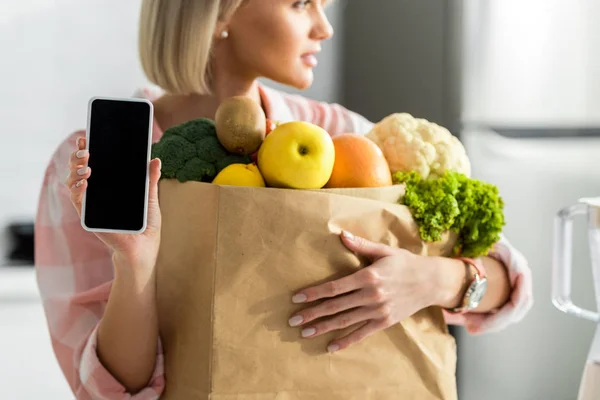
(517, 81)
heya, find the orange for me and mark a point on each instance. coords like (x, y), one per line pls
(359, 162)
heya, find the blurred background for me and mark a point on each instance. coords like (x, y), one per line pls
(517, 80)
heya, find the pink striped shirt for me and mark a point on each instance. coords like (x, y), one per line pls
(75, 271)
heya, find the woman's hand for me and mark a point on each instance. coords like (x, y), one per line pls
(136, 249)
(395, 286)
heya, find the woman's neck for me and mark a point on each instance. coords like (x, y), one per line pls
(228, 80)
(171, 110)
(225, 87)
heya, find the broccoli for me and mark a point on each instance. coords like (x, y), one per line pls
(470, 207)
(210, 150)
(192, 152)
(196, 169)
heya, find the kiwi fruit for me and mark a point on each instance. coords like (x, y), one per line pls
(241, 125)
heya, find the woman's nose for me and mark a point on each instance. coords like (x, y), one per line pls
(322, 29)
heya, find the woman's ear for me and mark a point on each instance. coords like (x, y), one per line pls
(227, 18)
(221, 31)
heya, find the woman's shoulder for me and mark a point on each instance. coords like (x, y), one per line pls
(333, 117)
(148, 92)
(284, 107)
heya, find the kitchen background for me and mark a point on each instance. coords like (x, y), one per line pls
(516, 80)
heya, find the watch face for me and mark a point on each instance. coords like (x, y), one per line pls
(478, 290)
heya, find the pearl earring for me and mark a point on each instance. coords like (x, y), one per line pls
(224, 35)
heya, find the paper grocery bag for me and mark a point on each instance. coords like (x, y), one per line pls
(230, 260)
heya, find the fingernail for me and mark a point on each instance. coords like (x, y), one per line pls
(308, 332)
(348, 235)
(82, 171)
(159, 164)
(299, 298)
(79, 183)
(81, 153)
(296, 320)
(333, 347)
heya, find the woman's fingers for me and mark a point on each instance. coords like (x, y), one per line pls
(80, 155)
(78, 184)
(79, 158)
(154, 217)
(77, 191)
(330, 307)
(360, 334)
(329, 289)
(365, 247)
(79, 173)
(342, 321)
(80, 150)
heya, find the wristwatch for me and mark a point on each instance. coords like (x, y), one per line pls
(476, 289)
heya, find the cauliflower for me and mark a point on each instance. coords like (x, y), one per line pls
(192, 152)
(415, 144)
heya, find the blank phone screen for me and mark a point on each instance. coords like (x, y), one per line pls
(118, 138)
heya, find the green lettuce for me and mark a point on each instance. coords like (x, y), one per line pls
(454, 202)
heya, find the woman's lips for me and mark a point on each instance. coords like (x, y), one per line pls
(310, 60)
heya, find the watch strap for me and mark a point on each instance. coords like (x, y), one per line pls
(476, 263)
(480, 274)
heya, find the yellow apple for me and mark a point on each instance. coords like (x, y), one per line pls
(240, 175)
(297, 155)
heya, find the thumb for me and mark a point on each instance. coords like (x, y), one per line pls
(153, 207)
(365, 247)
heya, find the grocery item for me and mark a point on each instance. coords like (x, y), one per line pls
(192, 152)
(358, 163)
(241, 125)
(240, 175)
(416, 144)
(297, 155)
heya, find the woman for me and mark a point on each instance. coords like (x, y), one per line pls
(98, 289)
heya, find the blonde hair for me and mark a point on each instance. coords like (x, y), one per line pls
(176, 42)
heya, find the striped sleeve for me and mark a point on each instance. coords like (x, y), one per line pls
(332, 117)
(74, 274)
(521, 298)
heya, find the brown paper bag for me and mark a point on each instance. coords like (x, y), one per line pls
(229, 262)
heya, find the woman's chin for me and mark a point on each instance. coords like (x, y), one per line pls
(303, 82)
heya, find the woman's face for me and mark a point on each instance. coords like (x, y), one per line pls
(279, 39)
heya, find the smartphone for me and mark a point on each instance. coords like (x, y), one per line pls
(119, 141)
